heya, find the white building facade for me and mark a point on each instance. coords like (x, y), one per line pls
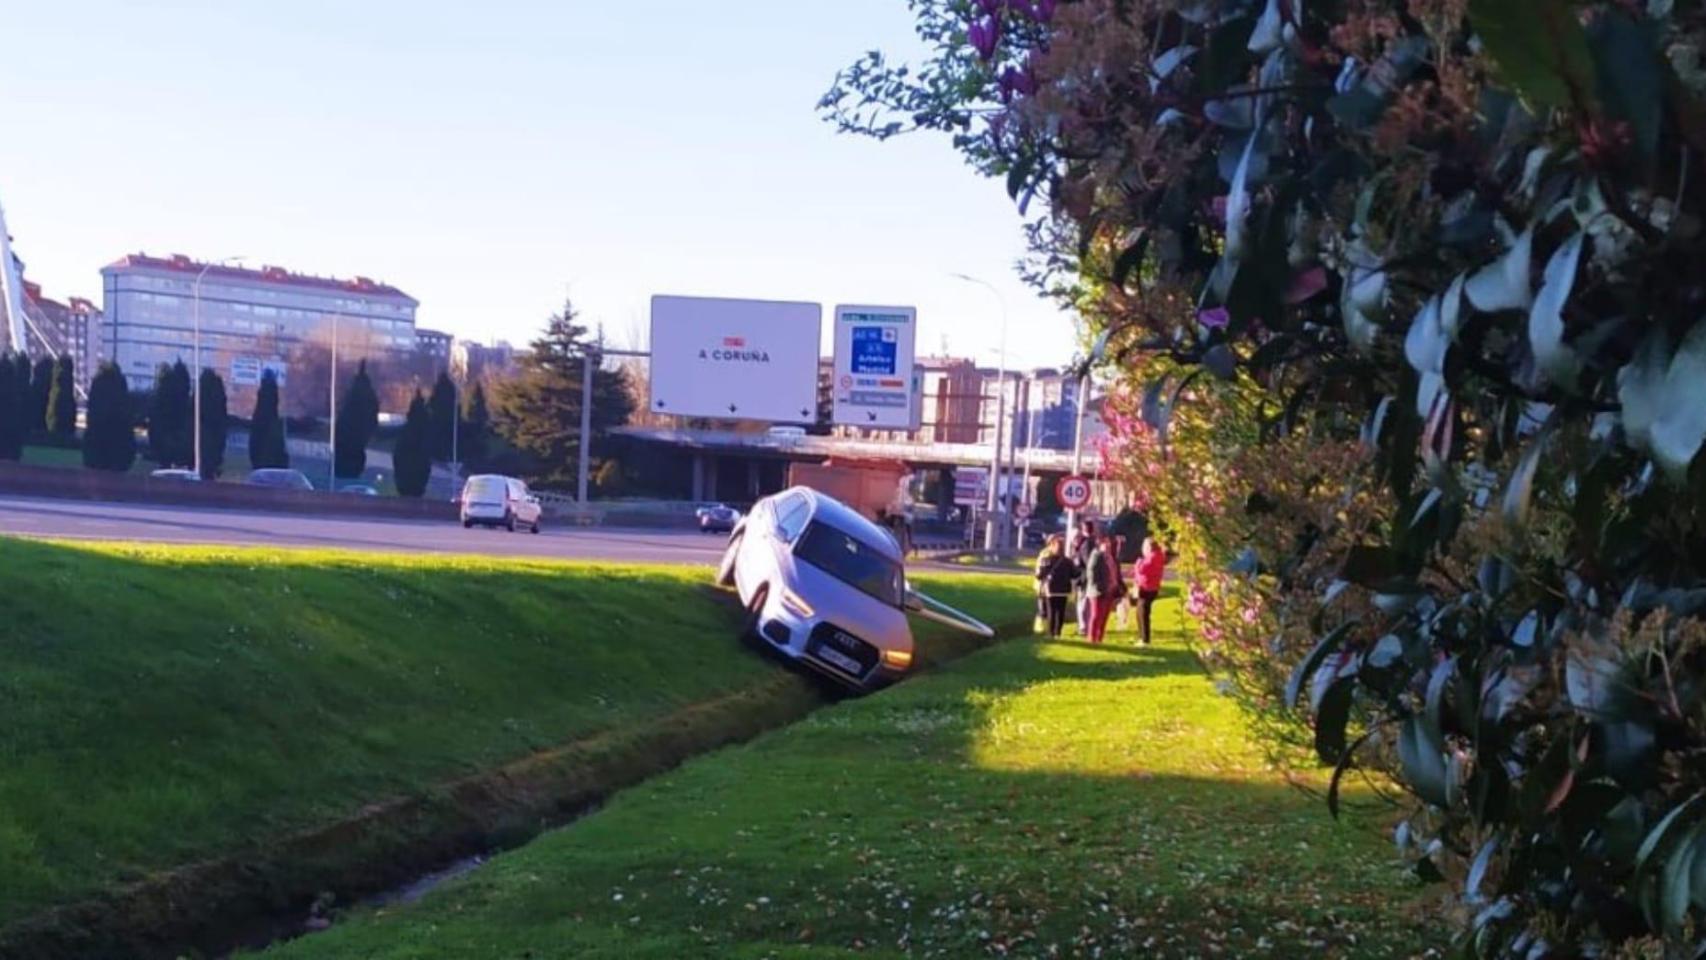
(250, 319)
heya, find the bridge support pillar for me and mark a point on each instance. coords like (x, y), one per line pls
(699, 470)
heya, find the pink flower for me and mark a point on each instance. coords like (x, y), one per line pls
(1250, 614)
(1214, 318)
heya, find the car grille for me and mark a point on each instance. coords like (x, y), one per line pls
(777, 632)
(844, 643)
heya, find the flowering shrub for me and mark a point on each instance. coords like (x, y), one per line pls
(1405, 301)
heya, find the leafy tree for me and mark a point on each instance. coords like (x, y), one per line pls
(358, 419)
(475, 442)
(41, 386)
(109, 443)
(170, 435)
(1404, 305)
(444, 427)
(215, 423)
(267, 446)
(11, 411)
(62, 402)
(539, 411)
(413, 457)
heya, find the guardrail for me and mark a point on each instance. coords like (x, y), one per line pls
(95, 485)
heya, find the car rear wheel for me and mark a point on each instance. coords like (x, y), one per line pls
(535, 527)
(726, 569)
(467, 524)
(509, 521)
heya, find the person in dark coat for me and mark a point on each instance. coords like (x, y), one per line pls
(1057, 574)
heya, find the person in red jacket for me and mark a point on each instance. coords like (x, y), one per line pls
(1151, 568)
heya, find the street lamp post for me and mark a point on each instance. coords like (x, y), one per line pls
(992, 533)
(195, 351)
(332, 420)
(1097, 352)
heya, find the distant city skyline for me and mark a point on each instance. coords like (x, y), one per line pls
(492, 164)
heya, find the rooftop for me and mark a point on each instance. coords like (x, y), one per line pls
(266, 274)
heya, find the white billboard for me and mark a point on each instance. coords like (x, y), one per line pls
(247, 371)
(735, 359)
(876, 383)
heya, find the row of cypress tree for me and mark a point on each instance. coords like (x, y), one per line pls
(40, 402)
(443, 427)
(37, 404)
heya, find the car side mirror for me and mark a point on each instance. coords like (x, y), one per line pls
(912, 603)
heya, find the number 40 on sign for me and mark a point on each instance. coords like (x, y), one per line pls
(1073, 493)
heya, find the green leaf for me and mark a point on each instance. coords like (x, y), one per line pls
(1433, 709)
(1423, 761)
(1368, 566)
(1676, 878)
(1631, 78)
(1677, 426)
(1520, 491)
(1131, 258)
(1667, 830)
(1225, 60)
(1503, 284)
(1332, 715)
(1313, 660)
(1221, 362)
(1546, 317)
(1478, 869)
(1539, 47)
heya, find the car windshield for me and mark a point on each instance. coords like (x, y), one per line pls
(852, 561)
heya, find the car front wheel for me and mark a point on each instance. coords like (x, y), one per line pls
(755, 613)
(726, 569)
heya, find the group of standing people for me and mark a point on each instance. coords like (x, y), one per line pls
(1089, 568)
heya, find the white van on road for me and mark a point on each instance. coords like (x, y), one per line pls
(492, 500)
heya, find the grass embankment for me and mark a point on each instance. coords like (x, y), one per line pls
(236, 465)
(161, 706)
(1033, 799)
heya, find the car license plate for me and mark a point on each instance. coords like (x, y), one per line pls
(839, 659)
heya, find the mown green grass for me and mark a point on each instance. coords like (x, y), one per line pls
(162, 705)
(1034, 799)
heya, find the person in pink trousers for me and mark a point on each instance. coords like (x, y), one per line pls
(1151, 569)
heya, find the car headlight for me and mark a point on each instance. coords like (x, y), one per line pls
(897, 659)
(796, 604)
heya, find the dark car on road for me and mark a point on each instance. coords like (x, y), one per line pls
(718, 519)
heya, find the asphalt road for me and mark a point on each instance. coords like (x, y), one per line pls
(77, 520)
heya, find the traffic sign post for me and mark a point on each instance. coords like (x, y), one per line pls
(1073, 493)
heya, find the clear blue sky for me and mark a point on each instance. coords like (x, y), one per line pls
(489, 157)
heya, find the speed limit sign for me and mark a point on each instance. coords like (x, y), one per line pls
(1022, 511)
(1073, 493)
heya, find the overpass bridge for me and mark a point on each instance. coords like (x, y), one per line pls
(729, 465)
(921, 455)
